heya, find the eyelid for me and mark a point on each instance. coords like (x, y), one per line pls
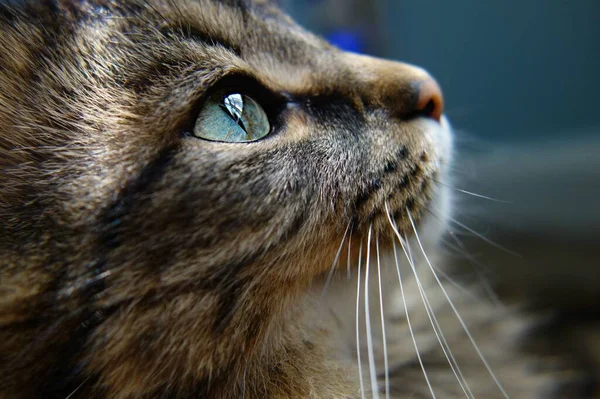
(272, 102)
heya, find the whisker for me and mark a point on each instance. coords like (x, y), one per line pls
(481, 196)
(452, 247)
(178, 9)
(462, 250)
(463, 324)
(470, 230)
(348, 272)
(85, 284)
(360, 374)
(484, 238)
(470, 192)
(437, 330)
(385, 354)
(482, 280)
(456, 285)
(412, 334)
(78, 388)
(373, 374)
(156, 11)
(335, 262)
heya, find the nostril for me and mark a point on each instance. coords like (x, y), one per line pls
(429, 109)
(430, 102)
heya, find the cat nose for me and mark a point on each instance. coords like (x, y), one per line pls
(405, 90)
(430, 101)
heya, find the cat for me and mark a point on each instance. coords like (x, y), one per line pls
(201, 199)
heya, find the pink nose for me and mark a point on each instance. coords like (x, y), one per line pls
(430, 101)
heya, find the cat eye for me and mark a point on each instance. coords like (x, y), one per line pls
(231, 117)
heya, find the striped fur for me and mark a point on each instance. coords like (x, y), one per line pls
(137, 261)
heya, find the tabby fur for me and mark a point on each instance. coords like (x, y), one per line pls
(137, 261)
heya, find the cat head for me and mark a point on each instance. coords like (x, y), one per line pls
(177, 171)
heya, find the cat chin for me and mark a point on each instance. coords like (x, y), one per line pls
(435, 222)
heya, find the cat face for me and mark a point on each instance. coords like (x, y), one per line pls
(138, 209)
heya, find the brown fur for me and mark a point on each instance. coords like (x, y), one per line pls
(138, 261)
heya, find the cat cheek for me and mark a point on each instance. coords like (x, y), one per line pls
(297, 126)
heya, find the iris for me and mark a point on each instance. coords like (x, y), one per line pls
(231, 117)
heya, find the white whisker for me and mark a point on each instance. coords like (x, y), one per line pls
(385, 354)
(437, 330)
(482, 279)
(456, 285)
(372, 372)
(484, 238)
(412, 334)
(335, 262)
(360, 374)
(78, 388)
(472, 193)
(451, 247)
(463, 324)
(348, 272)
(481, 196)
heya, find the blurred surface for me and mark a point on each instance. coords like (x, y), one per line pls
(548, 216)
(522, 83)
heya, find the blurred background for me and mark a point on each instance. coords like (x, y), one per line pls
(521, 80)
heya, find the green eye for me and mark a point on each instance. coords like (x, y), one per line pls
(232, 118)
